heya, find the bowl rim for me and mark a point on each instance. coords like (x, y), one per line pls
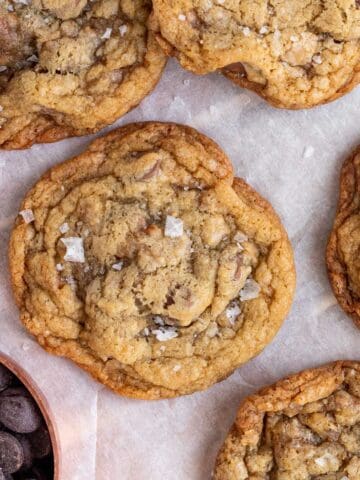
(42, 403)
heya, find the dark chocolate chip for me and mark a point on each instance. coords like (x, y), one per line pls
(5, 477)
(40, 442)
(27, 451)
(36, 474)
(19, 414)
(11, 453)
(5, 377)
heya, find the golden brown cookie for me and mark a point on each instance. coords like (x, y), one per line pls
(293, 54)
(72, 67)
(149, 265)
(305, 427)
(343, 251)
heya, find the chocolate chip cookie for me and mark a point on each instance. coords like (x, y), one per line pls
(306, 427)
(343, 260)
(72, 67)
(149, 265)
(294, 54)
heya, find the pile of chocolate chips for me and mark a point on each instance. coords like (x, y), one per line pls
(25, 445)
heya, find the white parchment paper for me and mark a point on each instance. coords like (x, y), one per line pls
(291, 158)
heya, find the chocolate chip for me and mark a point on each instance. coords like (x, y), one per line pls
(236, 68)
(40, 443)
(5, 477)
(19, 413)
(11, 453)
(5, 377)
(27, 451)
(36, 474)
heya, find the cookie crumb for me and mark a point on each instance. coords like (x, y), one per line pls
(28, 215)
(74, 249)
(174, 227)
(64, 228)
(250, 291)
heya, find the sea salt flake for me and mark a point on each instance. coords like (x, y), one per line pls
(107, 33)
(263, 30)
(308, 151)
(28, 215)
(177, 368)
(294, 38)
(22, 2)
(33, 58)
(325, 459)
(232, 312)
(240, 237)
(158, 320)
(164, 334)
(146, 331)
(246, 31)
(250, 291)
(317, 59)
(182, 17)
(59, 267)
(64, 228)
(118, 266)
(123, 29)
(174, 227)
(74, 249)
(3, 68)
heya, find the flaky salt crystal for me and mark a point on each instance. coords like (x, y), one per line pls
(107, 33)
(164, 334)
(59, 267)
(240, 237)
(64, 228)
(263, 30)
(28, 215)
(118, 266)
(174, 227)
(146, 331)
(3, 68)
(246, 31)
(74, 249)
(123, 29)
(232, 312)
(158, 320)
(182, 17)
(250, 291)
(177, 368)
(33, 58)
(317, 59)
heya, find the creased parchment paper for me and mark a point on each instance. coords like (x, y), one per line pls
(293, 159)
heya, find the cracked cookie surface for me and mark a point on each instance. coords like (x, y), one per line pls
(305, 427)
(72, 67)
(149, 265)
(295, 54)
(343, 259)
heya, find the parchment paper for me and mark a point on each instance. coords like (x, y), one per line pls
(293, 159)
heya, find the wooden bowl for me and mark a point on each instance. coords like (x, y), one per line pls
(42, 404)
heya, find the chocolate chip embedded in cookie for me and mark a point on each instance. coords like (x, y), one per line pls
(72, 67)
(343, 260)
(149, 265)
(305, 427)
(295, 55)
